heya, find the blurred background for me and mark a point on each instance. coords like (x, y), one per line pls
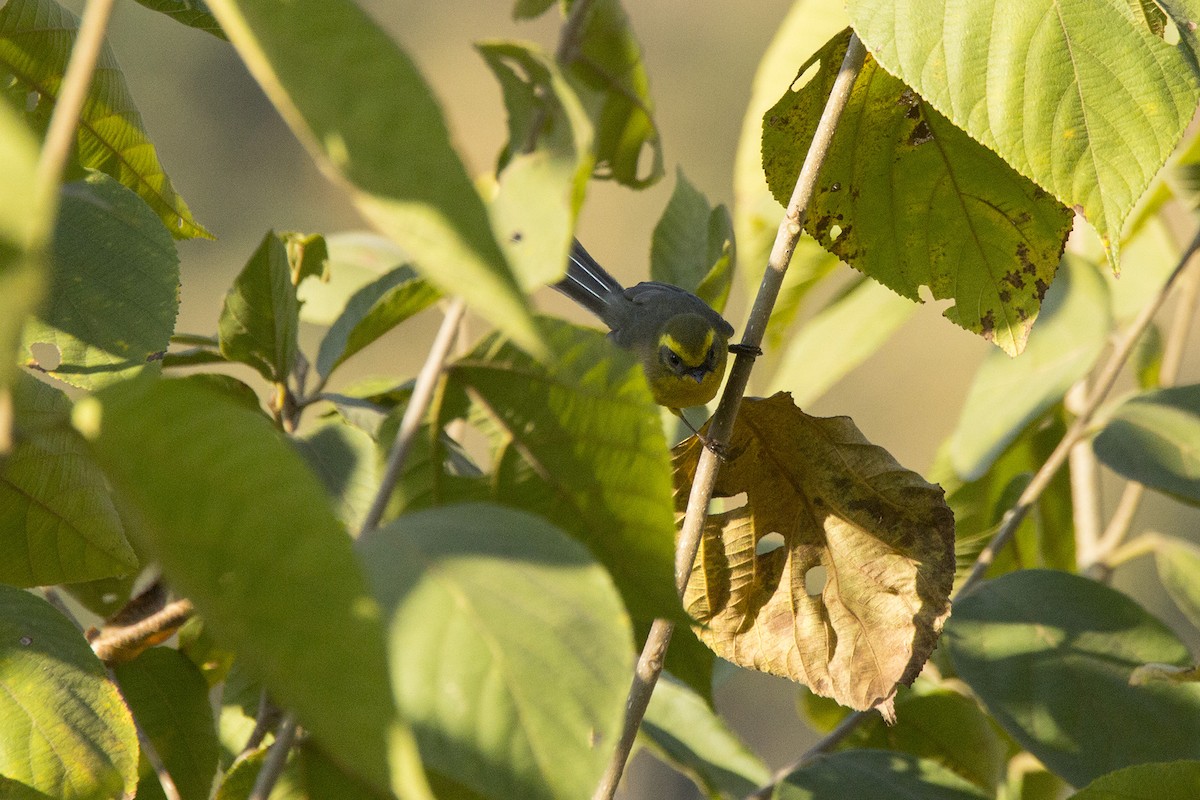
(242, 172)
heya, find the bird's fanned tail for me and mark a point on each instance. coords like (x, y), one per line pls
(588, 283)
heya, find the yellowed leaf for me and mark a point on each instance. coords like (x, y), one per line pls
(882, 537)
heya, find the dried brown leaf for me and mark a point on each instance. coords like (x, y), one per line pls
(884, 536)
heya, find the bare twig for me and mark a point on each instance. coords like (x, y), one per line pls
(276, 759)
(264, 720)
(1085, 483)
(418, 404)
(721, 427)
(170, 790)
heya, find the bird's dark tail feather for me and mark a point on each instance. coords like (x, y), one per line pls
(588, 283)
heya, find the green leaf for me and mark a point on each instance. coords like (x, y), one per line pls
(531, 9)
(356, 259)
(1178, 563)
(874, 773)
(366, 114)
(36, 37)
(1007, 394)
(611, 79)
(1151, 438)
(64, 732)
(169, 700)
(261, 314)
(756, 214)
(193, 13)
(910, 200)
(838, 338)
(1028, 642)
(245, 530)
(343, 457)
(23, 231)
(682, 729)
(371, 312)
(579, 442)
(940, 725)
(1179, 780)
(1147, 357)
(693, 245)
(57, 519)
(510, 648)
(1110, 99)
(545, 165)
(114, 286)
(811, 264)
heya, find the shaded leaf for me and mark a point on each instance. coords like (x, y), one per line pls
(36, 37)
(245, 530)
(64, 732)
(510, 648)
(1179, 780)
(261, 313)
(356, 259)
(1009, 393)
(343, 457)
(543, 172)
(58, 523)
(839, 338)
(611, 79)
(193, 13)
(693, 245)
(410, 183)
(114, 286)
(1151, 438)
(875, 773)
(169, 699)
(882, 535)
(530, 9)
(1027, 641)
(1070, 130)
(682, 729)
(911, 200)
(1178, 564)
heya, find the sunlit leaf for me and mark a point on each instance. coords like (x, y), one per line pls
(114, 286)
(57, 519)
(64, 732)
(693, 245)
(1178, 563)
(1027, 641)
(1111, 96)
(368, 116)
(510, 648)
(356, 259)
(193, 13)
(1179, 780)
(838, 505)
(36, 37)
(1151, 438)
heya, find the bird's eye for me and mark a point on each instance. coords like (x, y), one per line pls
(712, 355)
(674, 359)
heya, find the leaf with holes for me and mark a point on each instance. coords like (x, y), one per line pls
(912, 201)
(1084, 98)
(884, 537)
(36, 37)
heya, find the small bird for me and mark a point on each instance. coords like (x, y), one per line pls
(681, 342)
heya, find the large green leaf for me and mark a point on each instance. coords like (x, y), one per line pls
(343, 457)
(1050, 655)
(1009, 393)
(693, 245)
(114, 286)
(608, 73)
(23, 230)
(1152, 438)
(261, 314)
(36, 37)
(875, 773)
(1081, 96)
(511, 651)
(368, 116)
(57, 519)
(1178, 563)
(545, 166)
(839, 338)
(246, 531)
(1178, 780)
(64, 732)
(682, 728)
(169, 700)
(910, 200)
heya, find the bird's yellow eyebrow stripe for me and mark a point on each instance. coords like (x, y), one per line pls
(686, 353)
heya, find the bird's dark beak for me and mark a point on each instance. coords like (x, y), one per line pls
(698, 374)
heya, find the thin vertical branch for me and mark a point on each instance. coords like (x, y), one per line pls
(719, 430)
(1084, 472)
(276, 759)
(418, 404)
